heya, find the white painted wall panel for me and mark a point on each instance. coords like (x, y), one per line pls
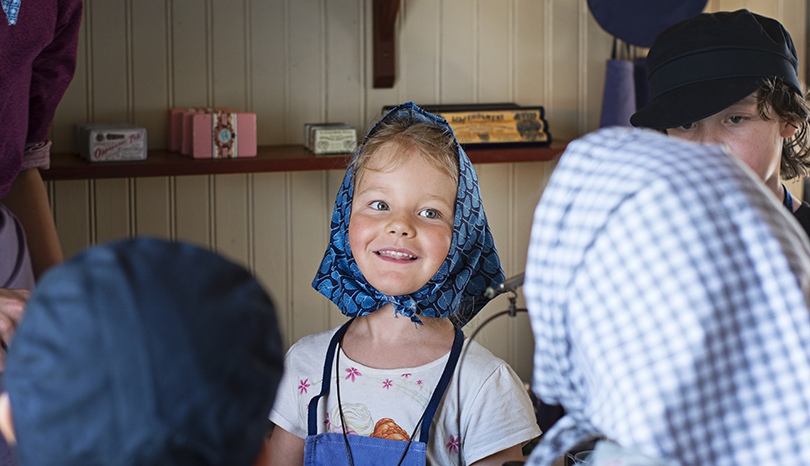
(298, 61)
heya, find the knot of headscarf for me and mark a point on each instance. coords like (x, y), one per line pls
(457, 288)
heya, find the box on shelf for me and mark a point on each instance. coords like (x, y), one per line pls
(488, 125)
(223, 135)
(186, 125)
(330, 138)
(109, 142)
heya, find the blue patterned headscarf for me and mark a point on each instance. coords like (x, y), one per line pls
(457, 288)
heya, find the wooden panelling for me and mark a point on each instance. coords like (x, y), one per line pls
(298, 61)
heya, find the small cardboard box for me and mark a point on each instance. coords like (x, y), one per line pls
(185, 125)
(110, 142)
(334, 140)
(176, 128)
(309, 140)
(223, 135)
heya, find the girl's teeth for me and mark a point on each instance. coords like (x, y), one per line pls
(396, 255)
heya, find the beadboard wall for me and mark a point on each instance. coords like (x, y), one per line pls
(298, 61)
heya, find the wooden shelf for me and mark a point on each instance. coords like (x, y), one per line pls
(269, 159)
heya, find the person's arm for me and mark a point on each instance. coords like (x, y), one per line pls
(28, 200)
(12, 305)
(285, 449)
(514, 453)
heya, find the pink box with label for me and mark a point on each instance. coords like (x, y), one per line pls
(176, 128)
(180, 138)
(223, 135)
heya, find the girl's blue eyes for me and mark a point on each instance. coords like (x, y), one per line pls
(379, 205)
(427, 213)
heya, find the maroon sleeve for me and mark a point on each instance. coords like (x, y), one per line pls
(53, 70)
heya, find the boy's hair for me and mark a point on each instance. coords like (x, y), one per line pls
(436, 145)
(793, 108)
(144, 352)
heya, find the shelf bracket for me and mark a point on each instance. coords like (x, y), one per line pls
(385, 15)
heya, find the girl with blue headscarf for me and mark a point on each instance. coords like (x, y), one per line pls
(409, 258)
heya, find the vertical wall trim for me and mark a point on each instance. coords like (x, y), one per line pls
(548, 55)
(437, 56)
(130, 66)
(212, 212)
(512, 31)
(324, 94)
(169, 53)
(582, 84)
(288, 258)
(132, 203)
(287, 79)
(401, 52)
(249, 203)
(209, 52)
(172, 201)
(87, 17)
(91, 206)
(361, 29)
(476, 49)
(248, 54)
(512, 329)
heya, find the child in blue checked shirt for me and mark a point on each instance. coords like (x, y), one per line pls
(409, 259)
(668, 294)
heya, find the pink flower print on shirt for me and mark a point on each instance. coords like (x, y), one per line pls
(418, 382)
(387, 384)
(406, 375)
(302, 387)
(352, 373)
(452, 445)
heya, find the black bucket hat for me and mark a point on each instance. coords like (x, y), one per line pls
(707, 63)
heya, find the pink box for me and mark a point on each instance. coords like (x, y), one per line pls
(176, 128)
(180, 138)
(224, 135)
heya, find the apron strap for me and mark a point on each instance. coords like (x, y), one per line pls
(433, 405)
(444, 381)
(312, 422)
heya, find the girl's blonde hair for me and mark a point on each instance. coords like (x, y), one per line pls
(436, 145)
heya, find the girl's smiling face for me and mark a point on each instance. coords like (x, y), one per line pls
(401, 224)
(755, 141)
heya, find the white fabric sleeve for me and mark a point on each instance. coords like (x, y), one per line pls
(499, 416)
(284, 413)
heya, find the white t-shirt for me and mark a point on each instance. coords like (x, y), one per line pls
(496, 411)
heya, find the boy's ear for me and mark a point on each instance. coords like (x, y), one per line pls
(6, 424)
(789, 128)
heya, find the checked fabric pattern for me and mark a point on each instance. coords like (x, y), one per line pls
(668, 294)
(457, 288)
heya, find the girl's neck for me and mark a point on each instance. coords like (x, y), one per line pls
(386, 340)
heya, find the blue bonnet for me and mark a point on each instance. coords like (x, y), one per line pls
(457, 288)
(144, 351)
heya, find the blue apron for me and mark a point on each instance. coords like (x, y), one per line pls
(330, 449)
